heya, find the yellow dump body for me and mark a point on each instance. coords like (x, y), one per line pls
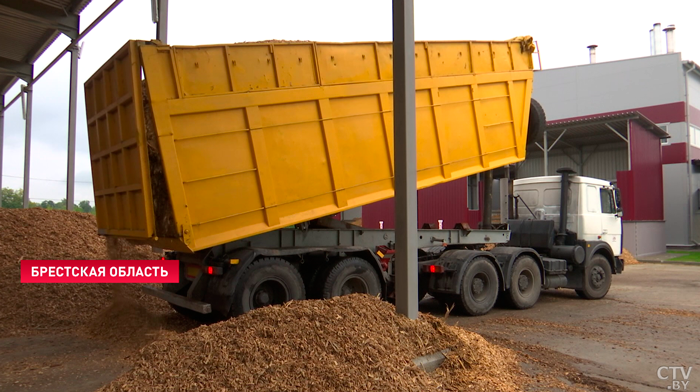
(256, 137)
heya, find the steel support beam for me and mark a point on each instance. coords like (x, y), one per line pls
(42, 15)
(555, 142)
(405, 165)
(68, 48)
(72, 114)
(618, 133)
(162, 24)
(18, 69)
(2, 137)
(27, 143)
(546, 153)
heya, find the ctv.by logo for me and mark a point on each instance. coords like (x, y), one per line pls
(675, 373)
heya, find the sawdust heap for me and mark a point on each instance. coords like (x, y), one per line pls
(126, 323)
(275, 41)
(162, 205)
(628, 258)
(349, 343)
(39, 234)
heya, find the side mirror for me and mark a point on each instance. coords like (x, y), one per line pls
(618, 212)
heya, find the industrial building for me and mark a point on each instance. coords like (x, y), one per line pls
(656, 173)
(635, 122)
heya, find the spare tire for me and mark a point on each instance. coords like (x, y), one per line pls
(537, 123)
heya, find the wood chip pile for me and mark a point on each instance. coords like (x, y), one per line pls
(162, 205)
(628, 257)
(350, 343)
(38, 234)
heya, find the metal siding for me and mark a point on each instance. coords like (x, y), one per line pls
(694, 116)
(644, 238)
(603, 164)
(604, 87)
(606, 164)
(379, 211)
(647, 172)
(694, 94)
(678, 132)
(675, 181)
(446, 201)
(674, 153)
(625, 182)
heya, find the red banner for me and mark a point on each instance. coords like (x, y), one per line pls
(100, 271)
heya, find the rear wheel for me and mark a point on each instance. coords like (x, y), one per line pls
(349, 276)
(479, 289)
(268, 281)
(525, 283)
(597, 278)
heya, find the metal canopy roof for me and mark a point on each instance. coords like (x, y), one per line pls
(28, 28)
(596, 130)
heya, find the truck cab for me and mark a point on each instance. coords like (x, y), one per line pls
(593, 209)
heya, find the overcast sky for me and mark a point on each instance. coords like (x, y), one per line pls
(563, 30)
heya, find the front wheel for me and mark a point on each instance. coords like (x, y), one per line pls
(268, 281)
(597, 278)
(479, 289)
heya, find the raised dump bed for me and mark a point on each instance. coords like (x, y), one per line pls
(223, 142)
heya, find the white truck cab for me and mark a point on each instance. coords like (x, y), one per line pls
(593, 210)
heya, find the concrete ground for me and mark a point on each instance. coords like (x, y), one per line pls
(649, 319)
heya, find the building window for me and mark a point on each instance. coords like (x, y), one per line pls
(473, 192)
(664, 141)
(694, 136)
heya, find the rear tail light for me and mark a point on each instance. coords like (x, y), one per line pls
(193, 270)
(433, 269)
(211, 270)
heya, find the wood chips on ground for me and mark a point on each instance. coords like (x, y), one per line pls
(349, 343)
(38, 234)
(628, 257)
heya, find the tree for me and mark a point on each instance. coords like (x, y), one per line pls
(12, 198)
(86, 207)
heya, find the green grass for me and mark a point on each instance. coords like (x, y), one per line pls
(685, 256)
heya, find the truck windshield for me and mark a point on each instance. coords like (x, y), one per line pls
(607, 205)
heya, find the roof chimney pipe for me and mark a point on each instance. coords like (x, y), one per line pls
(670, 42)
(652, 42)
(591, 53)
(657, 38)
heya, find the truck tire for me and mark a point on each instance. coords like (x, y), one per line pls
(537, 123)
(348, 276)
(479, 289)
(525, 283)
(597, 278)
(267, 281)
(423, 282)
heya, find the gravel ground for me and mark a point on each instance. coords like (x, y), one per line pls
(649, 320)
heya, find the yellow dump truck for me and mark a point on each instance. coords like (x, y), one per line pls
(216, 151)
